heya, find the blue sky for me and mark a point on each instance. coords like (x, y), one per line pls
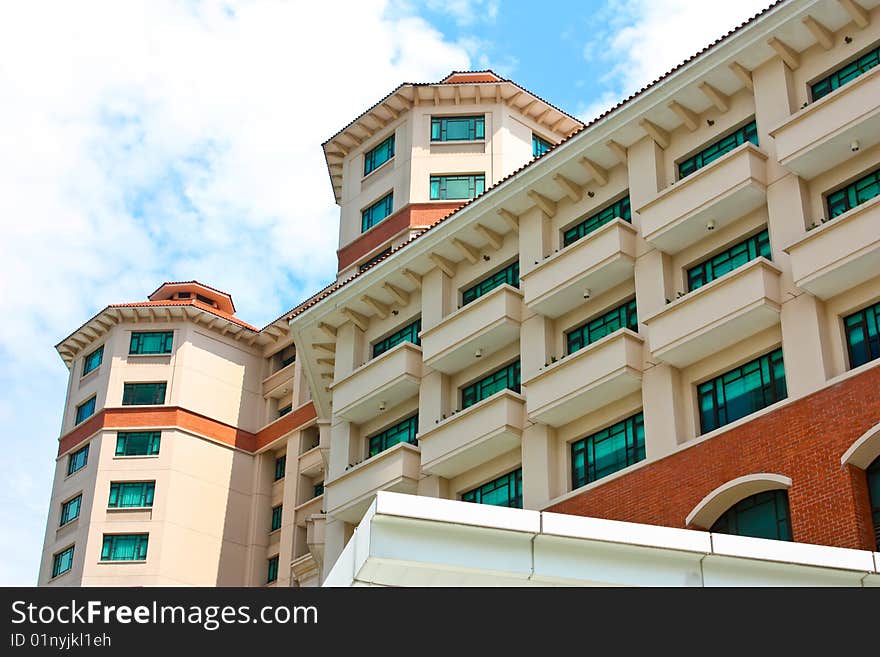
(152, 140)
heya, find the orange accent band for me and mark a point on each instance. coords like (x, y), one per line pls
(175, 416)
(414, 215)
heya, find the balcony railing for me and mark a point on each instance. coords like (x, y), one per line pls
(473, 436)
(730, 187)
(740, 304)
(390, 378)
(819, 137)
(840, 254)
(597, 262)
(395, 469)
(487, 324)
(608, 369)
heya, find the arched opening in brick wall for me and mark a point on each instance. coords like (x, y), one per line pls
(864, 454)
(707, 512)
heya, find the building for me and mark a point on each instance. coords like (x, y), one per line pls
(669, 316)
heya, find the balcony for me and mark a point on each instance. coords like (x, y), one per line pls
(315, 526)
(391, 378)
(839, 254)
(598, 262)
(395, 469)
(307, 509)
(730, 187)
(608, 369)
(277, 379)
(818, 137)
(489, 323)
(311, 463)
(473, 436)
(732, 308)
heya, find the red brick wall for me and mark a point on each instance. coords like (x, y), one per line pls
(804, 441)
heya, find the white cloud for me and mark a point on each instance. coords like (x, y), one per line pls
(466, 13)
(155, 140)
(643, 39)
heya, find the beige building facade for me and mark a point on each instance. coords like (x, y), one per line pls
(669, 317)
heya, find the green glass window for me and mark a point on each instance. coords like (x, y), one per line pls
(284, 410)
(287, 361)
(764, 515)
(607, 451)
(62, 562)
(508, 275)
(623, 316)
(376, 258)
(377, 212)
(124, 547)
(748, 132)
(742, 391)
(409, 333)
(403, 432)
(846, 74)
(540, 145)
(619, 208)
(276, 517)
(506, 378)
(873, 474)
(319, 489)
(70, 510)
(458, 128)
(131, 494)
(93, 360)
(140, 394)
(272, 570)
(379, 155)
(77, 460)
(138, 443)
(280, 467)
(457, 187)
(152, 342)
(85, 410)
(731, 258)
(862, 331)
(856, 193)
(504, 491)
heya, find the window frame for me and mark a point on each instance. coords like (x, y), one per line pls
(118, 491)
(540, 145)
(93, 400)
(628, 308)
(368, 223)
(372, 260)
(511, 370)
(634, 450)
(370, 159)
(512, 479)
(588, 224)
(86, 369)
(873, 50)
(272, 569)
(757, 239)
(137, 338)
(411, 429)
(56, 561)
(872, 474)
(67, 505)
(275, 523)
(72, 459)
(442, 123)
(132, 386)
(475, 181)
(153, 442)
(870, 314)
(476, 290)
(141, 546)
(735, 510)
(780, 394)
(698, 156)
(280, 465)
(401, 335)
(852, 202)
